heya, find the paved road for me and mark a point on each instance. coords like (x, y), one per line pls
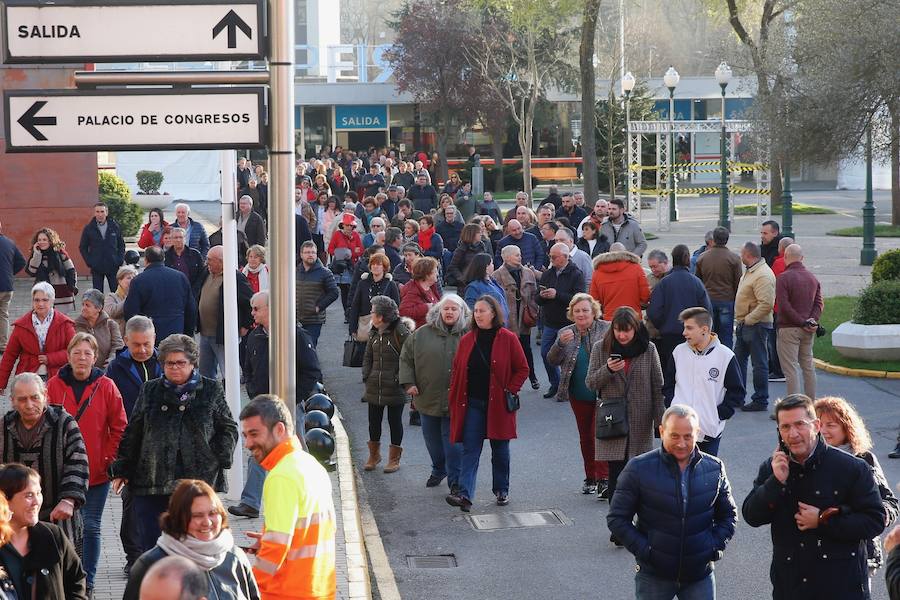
(574, 560)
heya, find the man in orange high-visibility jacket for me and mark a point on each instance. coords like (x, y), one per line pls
(295, 555)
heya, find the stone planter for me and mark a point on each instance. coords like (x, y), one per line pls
(148, 201)
(867, 342)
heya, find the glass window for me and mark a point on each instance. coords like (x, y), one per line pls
(316, 128)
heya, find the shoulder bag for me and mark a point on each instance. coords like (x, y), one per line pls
(612, 416)
(354, 352)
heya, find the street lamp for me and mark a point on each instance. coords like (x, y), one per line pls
(723, 77)
(627, 85)
(868, 253)
(670, 79)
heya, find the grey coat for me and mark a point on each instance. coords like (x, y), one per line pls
(564, 356)
(645, 400)
(518, 297)
(108, 336)
(381, 364)
(426, 361)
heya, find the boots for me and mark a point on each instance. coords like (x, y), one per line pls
(393, 463)
(374, 456)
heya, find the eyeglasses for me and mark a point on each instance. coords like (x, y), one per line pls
(176, 364)
(786, 428)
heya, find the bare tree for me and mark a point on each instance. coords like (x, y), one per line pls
(588, 98)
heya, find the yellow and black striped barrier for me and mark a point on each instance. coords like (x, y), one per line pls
(703, 190)
(691, 166)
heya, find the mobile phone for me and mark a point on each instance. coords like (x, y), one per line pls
(782, 446)
(542, 287)
(616, 356)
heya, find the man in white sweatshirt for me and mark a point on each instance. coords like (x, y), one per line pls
(704, 375)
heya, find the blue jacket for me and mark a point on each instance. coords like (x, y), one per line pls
(449, 233)
(479, 287)
(102, 254)
(11, 262)
(196, 238)
(129, 377)
(165, 296)
(671, 540)
(532, 252)
(675, 292)
(437, 247)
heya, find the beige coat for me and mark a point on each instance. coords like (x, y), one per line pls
(527, 292)
(645, 400)
(756, 295)
(109, 338)
(114, 307)
(565, 355)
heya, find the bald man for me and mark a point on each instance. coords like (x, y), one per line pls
(799, 309)
(174, 578)
(211, 312)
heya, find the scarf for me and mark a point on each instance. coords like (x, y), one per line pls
(262, 275)
(637, 346)
(206, 555)
(425, 239)
(184, 389)
(54, 259)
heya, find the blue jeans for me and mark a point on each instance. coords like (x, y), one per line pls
(710, 445)
(723, 321)
(147, 509)
(474, 433)
(650, 587)
(752, 342)
(772, 344)
(548, 338)
(92, 513)
(212, 355)
(314, 330)
(98, 280)
(444, 455)
(252, 492)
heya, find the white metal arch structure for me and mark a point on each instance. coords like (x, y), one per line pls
(663, 130)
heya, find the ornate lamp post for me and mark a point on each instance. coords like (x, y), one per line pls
(627, 86)
(723, 77)
(670, 79)
(868, 253)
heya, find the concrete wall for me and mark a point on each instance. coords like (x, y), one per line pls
(45, 190)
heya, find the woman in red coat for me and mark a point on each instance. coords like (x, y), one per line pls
(95, 402)
(421, 292)
(489, 363)
(152, 231)
(345, 248)
(39, 338)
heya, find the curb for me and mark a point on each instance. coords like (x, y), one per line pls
(357, 569)
(848, 372)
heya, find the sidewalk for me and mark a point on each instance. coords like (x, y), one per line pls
(352, 572)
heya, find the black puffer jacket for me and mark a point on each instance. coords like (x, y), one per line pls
(381, 364)
(462, 258)
(828, 561)
(366, 289)
(168, 439)
(671, 541)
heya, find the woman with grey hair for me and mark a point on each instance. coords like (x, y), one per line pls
(380, 372)
(39, 338)
(94, 320)
(114, 305)
(180, 428)
(425, 364)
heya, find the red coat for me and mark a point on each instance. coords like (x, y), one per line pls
(619, 280)
(102, 423)
(23, 344)
(414, 301)
(146, 239)
(340, 240)
(509, 370)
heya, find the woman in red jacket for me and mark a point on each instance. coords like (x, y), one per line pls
(39, 338)
(94, 400)
(489, 364)
(152, 231)
(345, 248)
(421, 292)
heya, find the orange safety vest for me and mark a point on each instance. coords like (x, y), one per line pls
(296, 556)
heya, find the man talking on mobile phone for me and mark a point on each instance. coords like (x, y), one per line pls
(822, 503)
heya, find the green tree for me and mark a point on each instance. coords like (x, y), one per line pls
(588, 97)
(114, 192)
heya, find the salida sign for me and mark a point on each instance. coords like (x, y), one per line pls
(370, 116)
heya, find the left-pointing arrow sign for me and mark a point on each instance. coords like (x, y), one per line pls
(30, 119)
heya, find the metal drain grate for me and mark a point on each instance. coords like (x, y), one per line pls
(515, 520)
(436, 561)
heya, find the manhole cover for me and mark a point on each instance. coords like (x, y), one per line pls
(514, 520)
(437, 561)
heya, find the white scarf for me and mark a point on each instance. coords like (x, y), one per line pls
(206, 555)
(262, 271)
(41, 328)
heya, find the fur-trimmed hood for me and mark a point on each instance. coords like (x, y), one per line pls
(387, 276)
(433, 318)
(607, 260)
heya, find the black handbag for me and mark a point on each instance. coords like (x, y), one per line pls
(512, 401)
(612, 417)
(353, 353)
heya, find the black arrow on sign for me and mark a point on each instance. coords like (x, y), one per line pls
(29, 120)
(232, 21)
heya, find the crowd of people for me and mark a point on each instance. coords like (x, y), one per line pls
(443, 295)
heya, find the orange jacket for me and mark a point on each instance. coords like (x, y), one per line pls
(296, 556)
(619, 280)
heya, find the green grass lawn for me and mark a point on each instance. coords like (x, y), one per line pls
(882, 230)
(837, 310)
(799, 209)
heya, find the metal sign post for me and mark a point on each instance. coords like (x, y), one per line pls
(71, 31)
